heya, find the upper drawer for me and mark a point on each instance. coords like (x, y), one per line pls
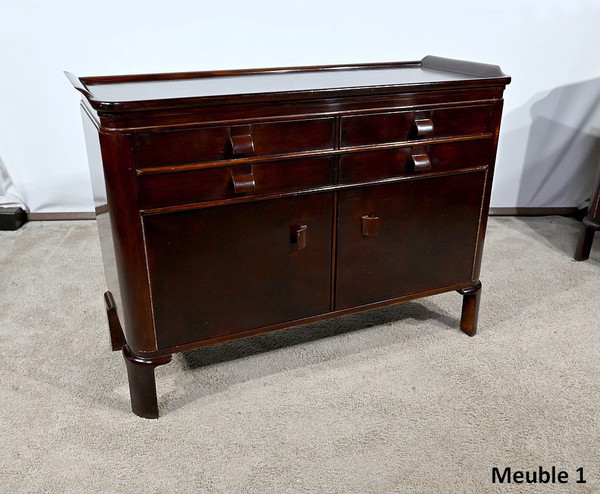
(153, 149)
(415, 125)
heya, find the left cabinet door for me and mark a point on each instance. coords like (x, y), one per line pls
(219, 270)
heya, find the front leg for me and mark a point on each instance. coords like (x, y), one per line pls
(470, 308)
(142, 383)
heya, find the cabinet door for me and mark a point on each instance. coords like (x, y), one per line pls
(220, 270)
(407, 237)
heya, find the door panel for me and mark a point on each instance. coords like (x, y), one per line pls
(415, 236)
(215, 271)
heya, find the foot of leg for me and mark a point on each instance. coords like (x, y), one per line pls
(117, 338)
(470, 308)
(586, 237)
(142, 384)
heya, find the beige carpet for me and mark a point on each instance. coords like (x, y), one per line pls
(396, 400)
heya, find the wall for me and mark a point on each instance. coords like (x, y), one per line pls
(549, 148)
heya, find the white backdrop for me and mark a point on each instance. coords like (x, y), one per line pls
(550, 141)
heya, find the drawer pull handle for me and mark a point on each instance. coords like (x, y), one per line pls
(423, 127)
(370, 225)
(420, 162)
(243, 180)
(299, 235)
(241, 141)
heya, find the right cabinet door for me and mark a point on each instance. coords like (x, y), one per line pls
(406, 237)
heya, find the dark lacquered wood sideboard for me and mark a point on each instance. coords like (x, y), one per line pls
(239, 202)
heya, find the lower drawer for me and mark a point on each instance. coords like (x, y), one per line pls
(210, 184)
(377, 165)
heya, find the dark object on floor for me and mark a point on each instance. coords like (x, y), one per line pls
(12, 218)
(591, 223)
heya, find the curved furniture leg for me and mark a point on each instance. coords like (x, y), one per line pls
(584, 245)
(117, 338)
(142, 384)
(470, 308)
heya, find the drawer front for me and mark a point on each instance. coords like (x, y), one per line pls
(407, 237)
(375, 165)
(415, 125)
(154, 149)
(210, 184)
(218, 271)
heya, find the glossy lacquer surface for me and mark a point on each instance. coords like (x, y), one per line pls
(160, 90)
(232, 203)
(238, 267)
(416, 247)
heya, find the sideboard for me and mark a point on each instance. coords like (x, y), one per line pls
(234, 203)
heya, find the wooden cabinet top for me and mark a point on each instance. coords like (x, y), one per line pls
(176, 90)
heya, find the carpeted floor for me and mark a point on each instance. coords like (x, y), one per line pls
(392, 401)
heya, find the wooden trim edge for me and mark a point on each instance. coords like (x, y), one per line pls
(90, 215)
(303, 321)
(465, 67)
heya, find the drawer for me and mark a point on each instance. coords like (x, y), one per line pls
(210, 184)
(154, 149)
(375, 165)
(402, 126)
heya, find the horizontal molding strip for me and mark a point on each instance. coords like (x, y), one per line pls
(313, 190)
(387, 107)
(525, 211)
(310, 154)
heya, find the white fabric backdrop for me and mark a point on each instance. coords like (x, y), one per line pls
(549, 150)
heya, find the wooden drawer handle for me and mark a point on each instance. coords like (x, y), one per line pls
(420, 162)
(423, 127)
(370, 225)
(299, 235)
(243, 180)
(241, 141)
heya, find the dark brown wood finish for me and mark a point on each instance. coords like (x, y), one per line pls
(415, 125)
(142, 383)
(117, 338)
(398, 162)
(470, 308)
(217, 143)
(240, 202)
(215, 183)
(426, 237)
(156, 91)
(586, 238)
(590, 225)
(238, 267)
(248, 113)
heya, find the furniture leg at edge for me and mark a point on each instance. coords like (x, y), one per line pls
(142, 383)
(586, 237)
(470, 308)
